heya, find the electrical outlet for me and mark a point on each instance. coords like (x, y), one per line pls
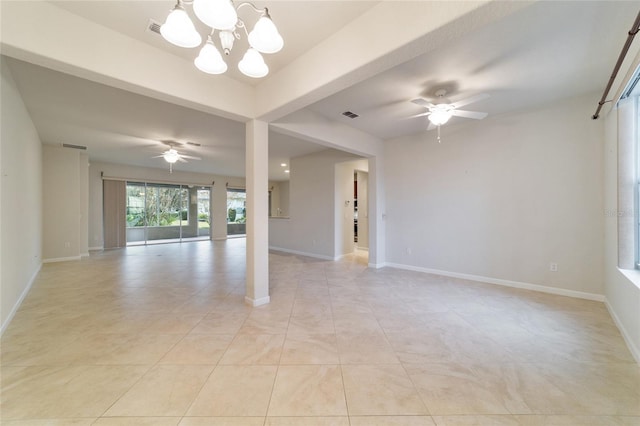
(67, 245)
(553, 267)
(409, 251)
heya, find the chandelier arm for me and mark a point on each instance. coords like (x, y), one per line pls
(265, 11)
(241, 24)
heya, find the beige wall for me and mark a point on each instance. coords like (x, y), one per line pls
(65, 203)
(311, 226)
(502, 198)
(20, 199)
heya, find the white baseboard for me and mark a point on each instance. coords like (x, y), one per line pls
(301, 253)
(96, 248)
(16, 306)
(84, 254)
(61, 259)
(506, 283)
(377, 265)
(256, 302)
(635, 351)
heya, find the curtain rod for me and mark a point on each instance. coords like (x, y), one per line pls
(632, 33)
(166, 182)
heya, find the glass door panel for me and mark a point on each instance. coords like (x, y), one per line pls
(204, 212)
(158, 213)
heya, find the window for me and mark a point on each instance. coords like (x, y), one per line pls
(236, 211)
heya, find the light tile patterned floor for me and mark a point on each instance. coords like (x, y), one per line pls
(159, 335)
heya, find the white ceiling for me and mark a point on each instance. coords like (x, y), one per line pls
(302, 24)
(121, 127)
(544, 53)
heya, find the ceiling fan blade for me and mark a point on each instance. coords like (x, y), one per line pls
(158, 156)
(182, 159)
(420, 115)
(422, 103)
(190, 157)
(469, 114)
(471, 100)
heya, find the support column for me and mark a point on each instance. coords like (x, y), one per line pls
(257, 182)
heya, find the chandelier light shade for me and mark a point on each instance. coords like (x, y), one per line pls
(179, 30)
(222, 16)
(253, 65)
(265, 37)
(210, 60)
(218, 14)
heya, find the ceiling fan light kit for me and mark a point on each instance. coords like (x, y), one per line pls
(222, 15)
(172, 155)
(440, 111)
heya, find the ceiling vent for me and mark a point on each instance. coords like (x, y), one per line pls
(68, 145)
(350, 114)
(154, 26)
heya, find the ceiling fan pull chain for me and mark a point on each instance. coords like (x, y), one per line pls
(439, 134)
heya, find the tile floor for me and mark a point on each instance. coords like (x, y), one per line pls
(159, 335)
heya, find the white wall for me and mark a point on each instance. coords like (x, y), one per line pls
(312, 202)
(284, 198)
(20, 199)
(502, 198)
(142, 174)
(623, 295)
(64, 203)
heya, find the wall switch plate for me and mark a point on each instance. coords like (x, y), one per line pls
(553, 267)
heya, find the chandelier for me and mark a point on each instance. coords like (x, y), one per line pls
(221, 15)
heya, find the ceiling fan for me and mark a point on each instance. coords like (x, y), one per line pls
(172, 155)
(442, 109)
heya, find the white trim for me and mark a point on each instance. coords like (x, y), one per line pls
(256, 302)
(362, 248)
(377, 265)
(506, 283)
(635, 351)
(96, 248)
(20, 300)
(61, 259)
(633, 275)
(85, 254)
(302, 253)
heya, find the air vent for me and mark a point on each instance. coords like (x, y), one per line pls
(154, 26)
(350, 114)
(68, 145)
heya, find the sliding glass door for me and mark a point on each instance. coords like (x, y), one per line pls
(160, 213)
